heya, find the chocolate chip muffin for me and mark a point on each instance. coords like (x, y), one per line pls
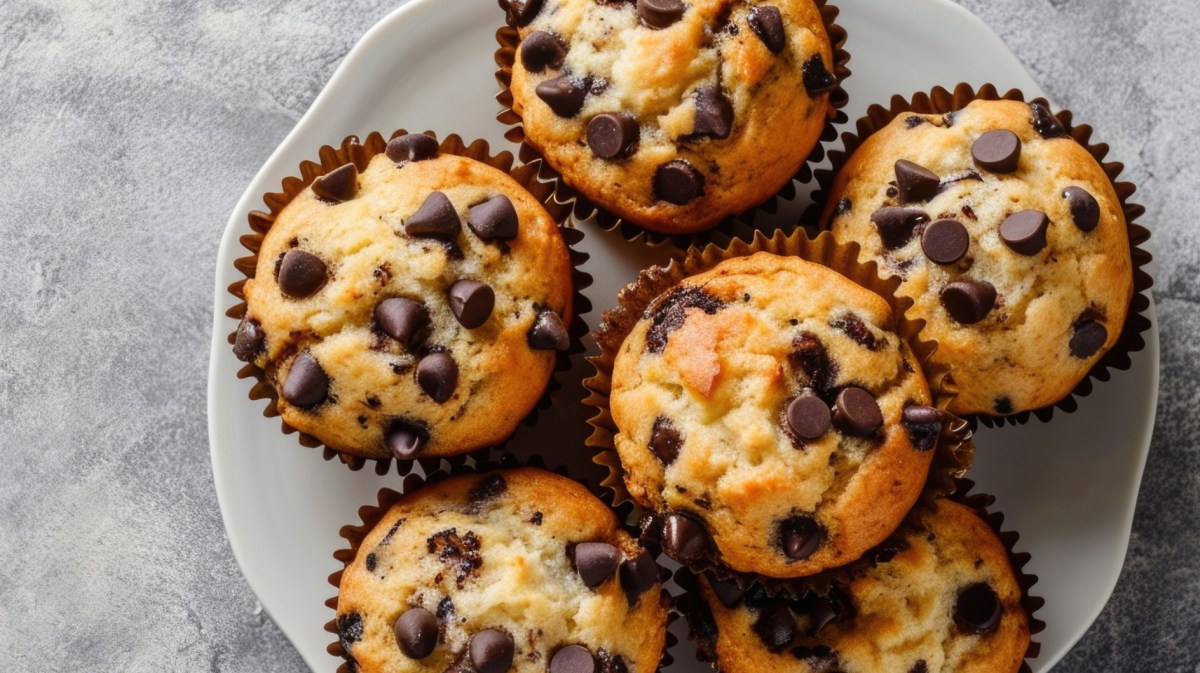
(1008, 235)
(518, 570)
(410, 310)
(944, 598)
(672, 114)
(771, 417)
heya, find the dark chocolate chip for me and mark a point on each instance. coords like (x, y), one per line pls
(978, 609)
(919, 667)
(843, 206)
(350, 630)
(445, 607)
(727, 591)
(494, 219)
(913, 121)
(767, 23)
(818, 81)
(809, 355)
(808, 416)
(678, 182)
(436, 218)
(776, 626)
(856, 329)
(857, 413)
(520, 13)
(307, 385)
(1084, 208)
(945, 241)
(411, 147)
(403, 319)
(668, 314)
(437, 374)
(249, 341)
(638, 575)
(541, 50)
(417, 632)
(1025, 232)
(596, 562)
(488, 490)
(471, 302)
(916, 183)
(405, 441)
(660, 13)
(371, 562)
(969, 301)
(573, 659)
(800, 537)
(997, 151)
(924, 425)
(822, 613)
(714, 113)
(897, 225)
(1002, 405)
(301, 274)
(665, 440)
(819, 658)
(1087, 338)
(612, 134)
(491, 651)
(1046, 124)
(548, 332)
(610, 663)
(684, 538)
(564, 94)
(337, 185)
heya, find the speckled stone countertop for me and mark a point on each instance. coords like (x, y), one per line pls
(127, 133)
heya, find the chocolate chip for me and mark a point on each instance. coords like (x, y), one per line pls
(1087, 338)
(548, 332)
(924, 425)
(916, 183)
(1046, 124)
(350, 630)
(919, 667)
(596, 562)
(488, 490)
(776, 626)
(969, 301)
(945, 241)
(564, 94)
(471, 302)
(714, 113)
(856, 329)
(491, 651)
(817, 80)
(665, 440)
(808, 416)
(819, 658)
(301, 274)
(437, 374)
(494, 219)
(800, 537)
(678, 182)
(997, 151)
(307, 385)
(411, 147)
(436, 218)
(405, 441)
(684, 538)
(1002, 405)
(417, 632)
(978, 609)
(638, 575)
(668, 314)
(445, 607)
(573, 659)
(727, 591)
(337, 185)
(660, 13)
(897, 225)
(1025, 232)
(809, 355)
(913, 121)
(249, 341)
(403, 319)
(370, 562)
(822, 613)
(1084, 208)
(857, 413)
(843, 206)
(541, 50)
(520, 13)
(612, 134)
(767, 23)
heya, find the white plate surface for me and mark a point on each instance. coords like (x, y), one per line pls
(1069, 487)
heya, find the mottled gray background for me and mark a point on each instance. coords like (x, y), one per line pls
(128, 131)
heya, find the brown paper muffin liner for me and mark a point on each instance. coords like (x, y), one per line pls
(370, 515)
(702, 629)
(360, 153)
(583, 208)
(955, 448)
(941, 101)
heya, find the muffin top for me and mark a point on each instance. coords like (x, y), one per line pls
(941, 599)
(518, 570)
(411, 310)
(768, 412)
(1008, 235)
(672, 113)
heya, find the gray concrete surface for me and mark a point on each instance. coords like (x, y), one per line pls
(127, 132)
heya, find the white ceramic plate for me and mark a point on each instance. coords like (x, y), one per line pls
(1069, 487)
